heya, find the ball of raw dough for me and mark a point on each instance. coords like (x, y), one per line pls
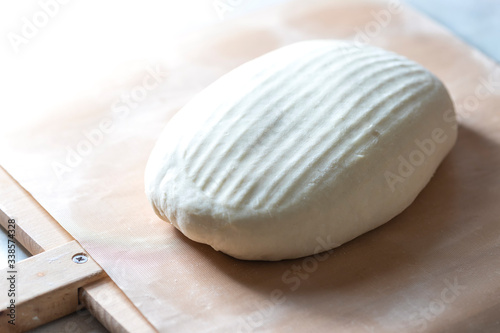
(301, 150)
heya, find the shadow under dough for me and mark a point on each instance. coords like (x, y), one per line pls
(431, 233)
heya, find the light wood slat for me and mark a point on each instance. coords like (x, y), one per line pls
(46, 286)
(39, 233)
(108, 303)
(36, 230)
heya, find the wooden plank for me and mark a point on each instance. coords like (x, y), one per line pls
(108, 303)
(45, 287)
(37, 231)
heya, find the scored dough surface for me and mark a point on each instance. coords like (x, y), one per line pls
(312, 144)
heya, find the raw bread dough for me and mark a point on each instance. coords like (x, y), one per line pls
(301, 150)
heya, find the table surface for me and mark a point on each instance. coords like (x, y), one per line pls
(475, 21)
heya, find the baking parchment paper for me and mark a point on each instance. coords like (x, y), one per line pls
(435, 267)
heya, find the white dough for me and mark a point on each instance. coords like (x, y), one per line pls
(301, 150)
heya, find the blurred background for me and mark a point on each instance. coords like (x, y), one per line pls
(74, 44)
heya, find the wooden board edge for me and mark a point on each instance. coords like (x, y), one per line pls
(38, 231)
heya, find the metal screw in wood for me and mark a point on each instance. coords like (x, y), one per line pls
(80, 258)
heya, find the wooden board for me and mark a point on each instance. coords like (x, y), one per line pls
(432, 268)
(50, 284)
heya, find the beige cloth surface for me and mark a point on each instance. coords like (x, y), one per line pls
(435, 267)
